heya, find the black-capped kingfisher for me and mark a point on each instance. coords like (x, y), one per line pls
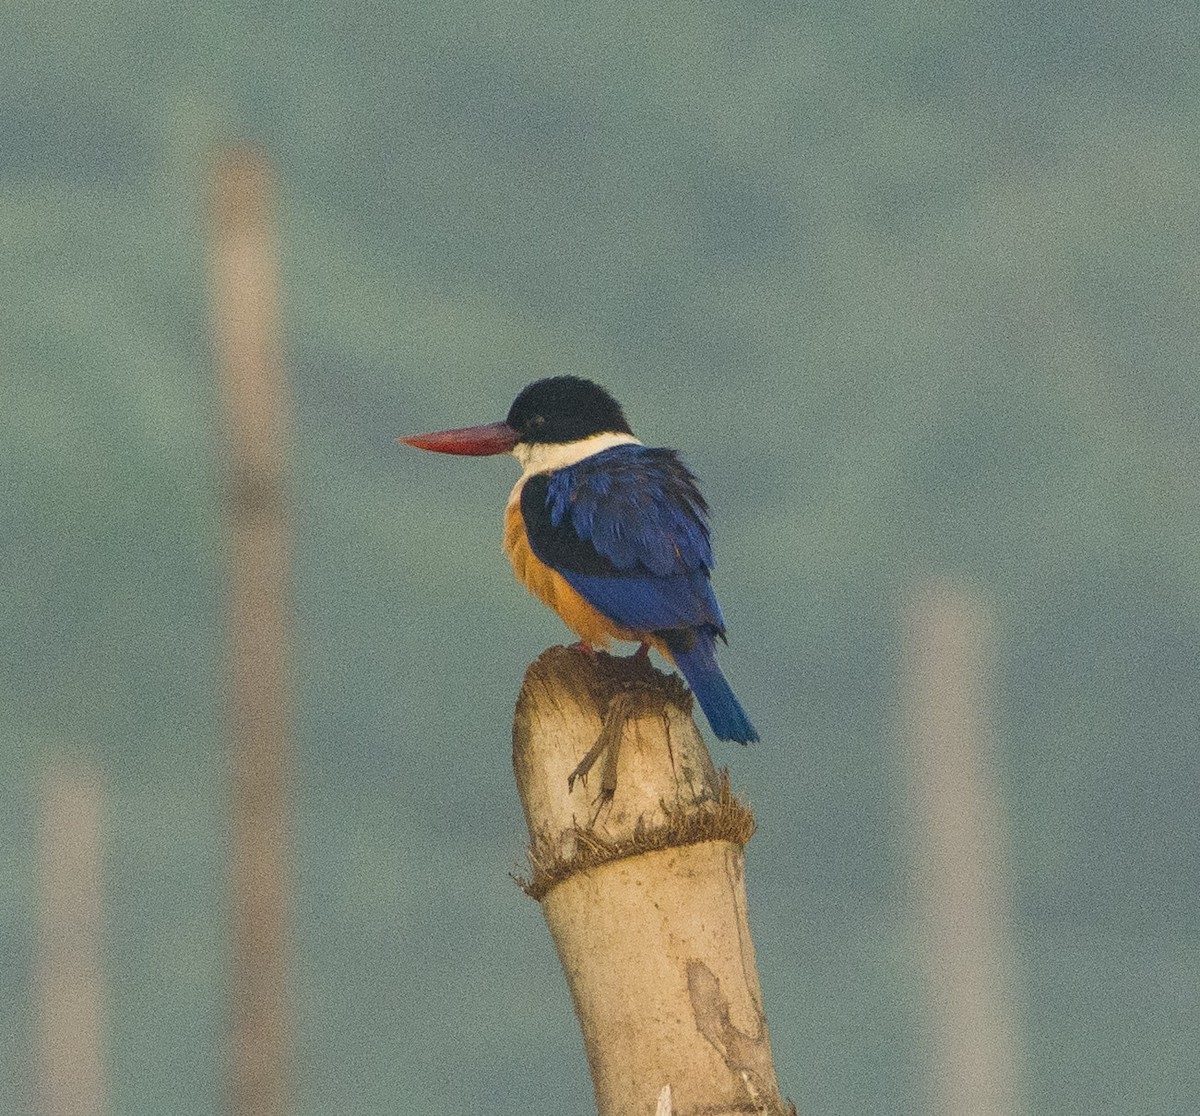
(611, 534)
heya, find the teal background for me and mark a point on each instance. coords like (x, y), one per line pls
(914, 287)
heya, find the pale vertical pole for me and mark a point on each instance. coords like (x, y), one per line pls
(245, 295)
(962, 885)
(69, 967)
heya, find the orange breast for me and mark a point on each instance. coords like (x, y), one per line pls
(552, 589)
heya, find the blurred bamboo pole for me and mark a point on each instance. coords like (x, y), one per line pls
(69, 967)
(644, 891)
(962, 886)
(246, 321)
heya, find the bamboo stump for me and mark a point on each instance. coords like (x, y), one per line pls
(638, 866)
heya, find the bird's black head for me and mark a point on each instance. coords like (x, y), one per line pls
(565, 409)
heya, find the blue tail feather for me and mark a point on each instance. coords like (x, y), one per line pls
(725, 714)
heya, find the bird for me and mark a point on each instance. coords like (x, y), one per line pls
(611, 534)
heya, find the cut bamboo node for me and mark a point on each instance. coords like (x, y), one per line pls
(656, 788)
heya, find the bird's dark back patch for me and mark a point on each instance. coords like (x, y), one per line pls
(558, 545)
(624, 511)
(678, 640)
(628, 530)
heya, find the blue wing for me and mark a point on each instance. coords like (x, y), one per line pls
(628, 529)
